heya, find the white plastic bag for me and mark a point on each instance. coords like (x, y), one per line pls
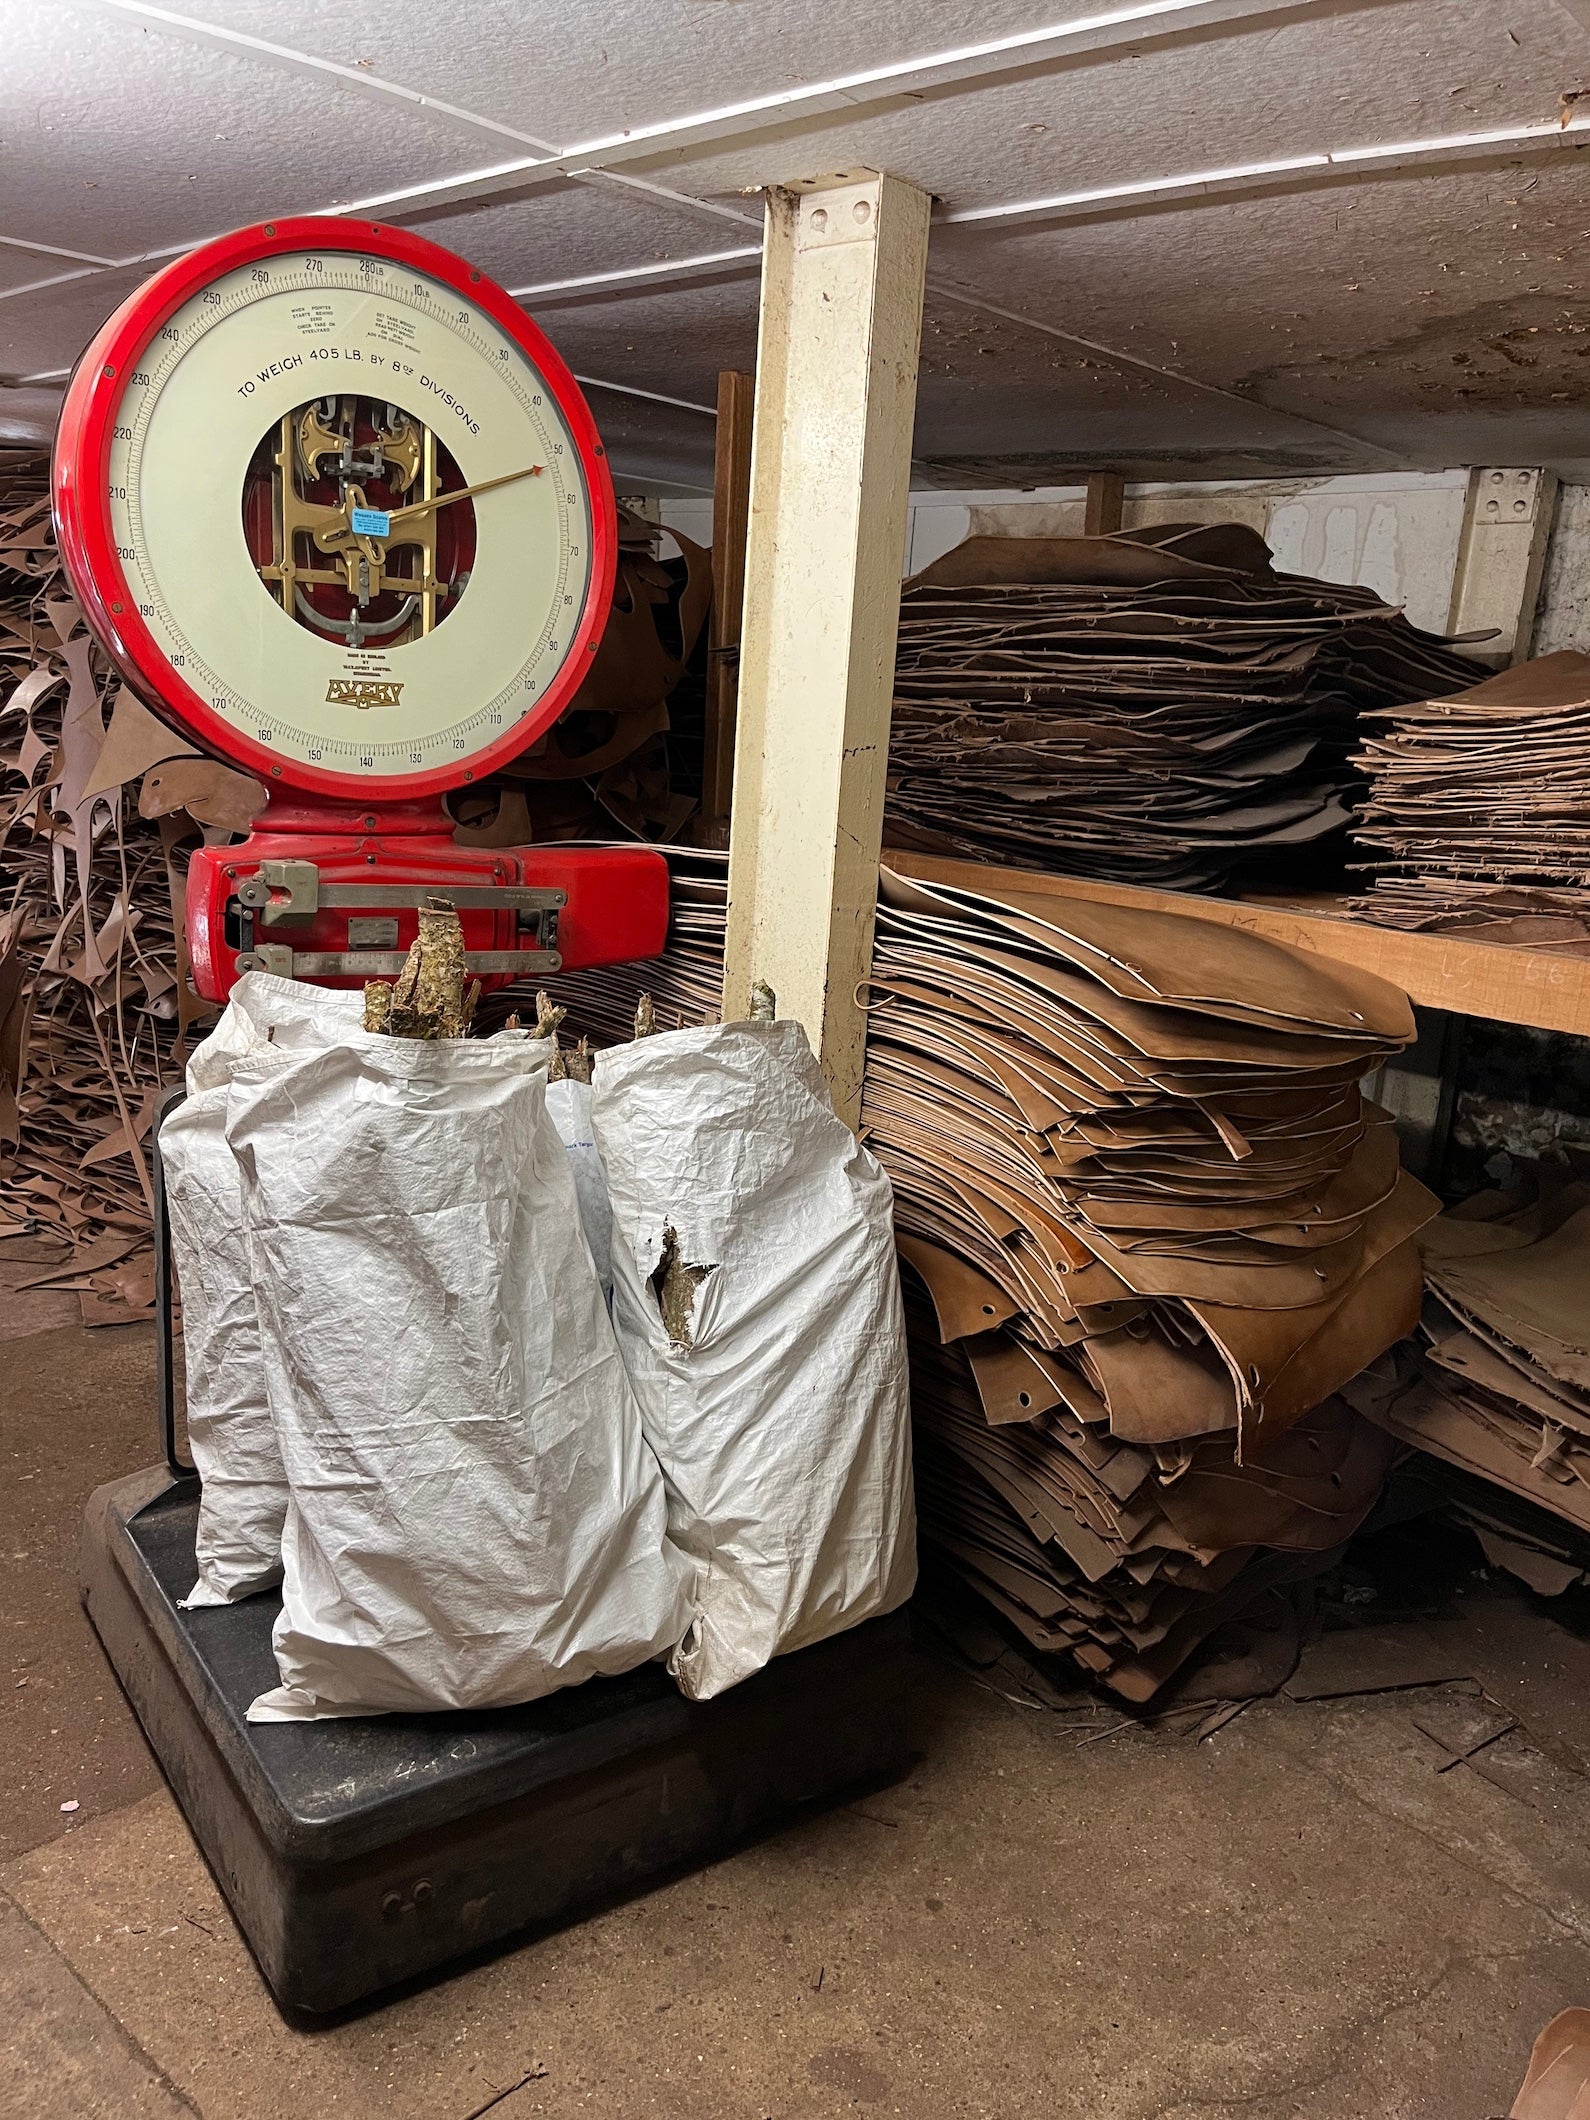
(475, 1518)
(775, 1395)
(569, 1104)
(244, 1497)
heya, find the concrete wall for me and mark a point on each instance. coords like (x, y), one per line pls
(1397, 532)
(1563, 620)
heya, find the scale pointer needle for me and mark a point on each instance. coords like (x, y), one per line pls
(464, 493)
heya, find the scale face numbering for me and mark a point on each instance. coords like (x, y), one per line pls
(338, 509)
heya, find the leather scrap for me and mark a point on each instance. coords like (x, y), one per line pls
(606, 759)
(1496, 1384)
(1477, 818)
(93, 992)
(1557, 2085)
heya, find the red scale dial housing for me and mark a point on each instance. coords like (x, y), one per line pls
(340, 515)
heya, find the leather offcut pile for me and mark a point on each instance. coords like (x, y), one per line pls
(1479, 809)
(1123, 1558)
(1155, 707)
(1498, 1382)
(92, 999)
(1157, 1228)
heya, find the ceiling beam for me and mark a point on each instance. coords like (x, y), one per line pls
(1098, 35)
(629, 279)
(1146, 195)
(1301, 171)
(1101, 35)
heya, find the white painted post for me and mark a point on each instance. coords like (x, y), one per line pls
(841, 324)
(1506, 529)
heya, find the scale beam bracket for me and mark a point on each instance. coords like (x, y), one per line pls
(284, 891)
(284, 963)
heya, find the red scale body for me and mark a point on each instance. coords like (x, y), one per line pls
(358, 846)
(616, 897)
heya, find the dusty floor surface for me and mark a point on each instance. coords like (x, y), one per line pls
(1299, 1918)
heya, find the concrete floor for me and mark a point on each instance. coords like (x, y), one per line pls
(1298, 1917)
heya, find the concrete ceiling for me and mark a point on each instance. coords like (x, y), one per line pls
(1421, 304)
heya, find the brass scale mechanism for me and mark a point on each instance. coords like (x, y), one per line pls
(384, 562)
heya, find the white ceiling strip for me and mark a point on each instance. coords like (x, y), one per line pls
(633, 276)
(1207, 183)
(194, 31)
(964, 64)
(54, 250)
(969, 298)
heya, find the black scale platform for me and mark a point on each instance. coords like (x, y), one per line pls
(357, 1854)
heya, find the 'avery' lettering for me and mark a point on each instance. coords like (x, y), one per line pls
(361, 692)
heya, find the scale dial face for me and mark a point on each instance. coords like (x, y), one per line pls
(337, 509)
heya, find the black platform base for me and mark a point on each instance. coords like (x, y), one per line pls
(363, 1853)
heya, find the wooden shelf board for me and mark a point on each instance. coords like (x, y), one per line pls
(1537, 987)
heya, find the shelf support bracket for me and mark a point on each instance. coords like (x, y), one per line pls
(1507, 518)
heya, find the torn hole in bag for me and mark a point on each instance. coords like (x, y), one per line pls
(674, 1281)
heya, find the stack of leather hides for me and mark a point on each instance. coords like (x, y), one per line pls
(1480, 807)
(1157, 1227)
(1157, 707)
(1123, 1558)
(1498, 1381)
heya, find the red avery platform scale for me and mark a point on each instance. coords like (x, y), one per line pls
(340, 515)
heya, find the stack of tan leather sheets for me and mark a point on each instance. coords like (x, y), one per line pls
(1157, 707)
(1479, 807)
(1499, 1384)
(1122, 1557)
(1157, 1228)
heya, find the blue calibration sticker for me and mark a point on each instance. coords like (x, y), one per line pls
(371, 522)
